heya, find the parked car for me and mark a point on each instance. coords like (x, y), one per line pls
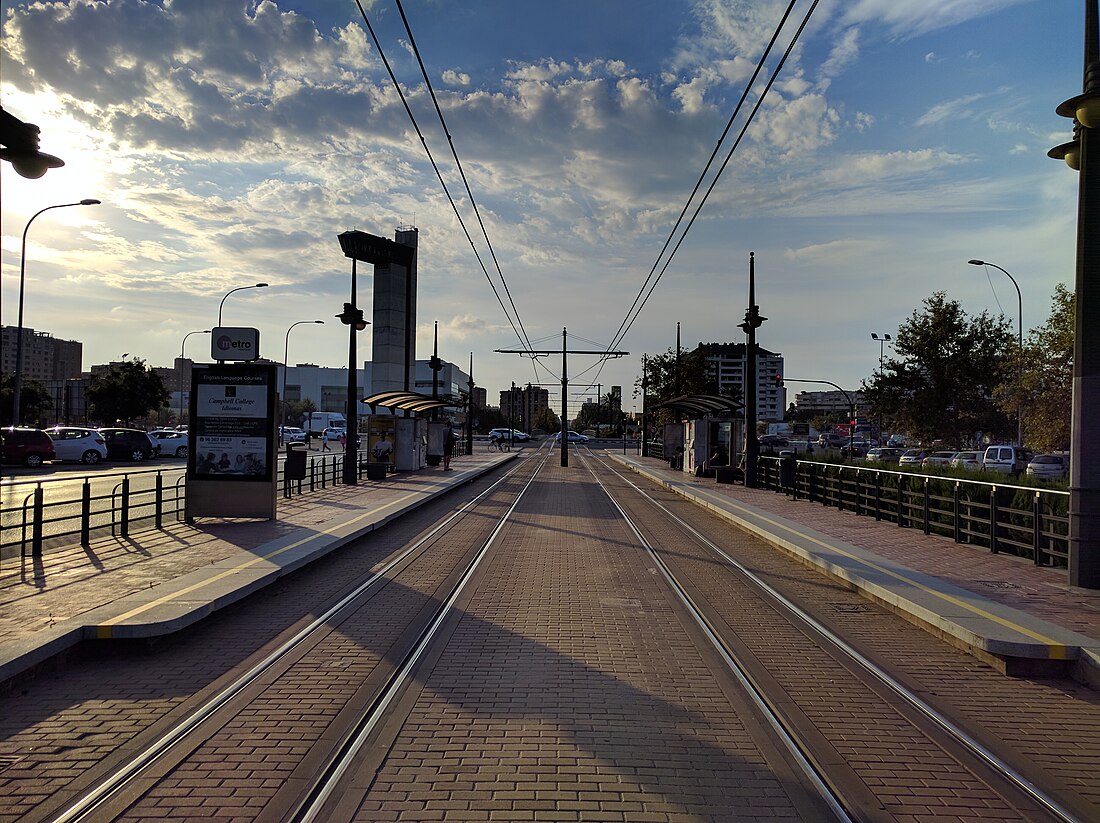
(31, 447)
(912, 457)
(292, 434)
(1052, 466)
(78, 444)
(938, 459)
(857, 449)
(169, 443)
(128, 444)
(967, 460)
(884, 454)
(772, 440)
(520, 437)
(572, 437)
(1006, 460)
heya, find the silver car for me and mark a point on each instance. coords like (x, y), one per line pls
(78, 444)
(1052, 466)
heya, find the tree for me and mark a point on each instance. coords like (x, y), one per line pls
(694, 378)
(34, 401)
(941, 383)
(125, 391)
(1046, 388)
(546, 420)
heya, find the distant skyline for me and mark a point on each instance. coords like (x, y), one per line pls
(231, 142)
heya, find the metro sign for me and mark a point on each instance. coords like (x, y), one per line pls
(231, 343)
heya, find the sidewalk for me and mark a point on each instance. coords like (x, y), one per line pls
(157, 582)
(1022, 618)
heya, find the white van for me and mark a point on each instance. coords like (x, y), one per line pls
(317, 422)
(1005, 459)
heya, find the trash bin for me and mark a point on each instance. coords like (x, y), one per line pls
(295, 466)
(377, 471)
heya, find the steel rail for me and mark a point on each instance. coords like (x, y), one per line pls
(311, 807)
(960, 736)
(775, 720)
(93, 799)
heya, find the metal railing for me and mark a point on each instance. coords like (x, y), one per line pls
(55, 513)
(1025, 521)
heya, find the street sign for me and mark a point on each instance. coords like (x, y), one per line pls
(230, 343)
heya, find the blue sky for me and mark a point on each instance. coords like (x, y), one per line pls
(230, 142)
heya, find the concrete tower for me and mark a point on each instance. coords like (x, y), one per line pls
(394, 320)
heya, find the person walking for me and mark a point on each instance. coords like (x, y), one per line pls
(448, 448)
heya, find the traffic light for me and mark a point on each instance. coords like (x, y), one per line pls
(352, 315)
(778, 381)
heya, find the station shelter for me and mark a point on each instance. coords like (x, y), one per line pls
(709, 433)
(398, 432)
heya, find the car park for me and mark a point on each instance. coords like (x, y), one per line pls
(170, 443)
(938, 459)
(967, 460)
(1005, 460)
(78, 444)
(912, 457)
(128, 444)
(1050, 466)
(31, 447)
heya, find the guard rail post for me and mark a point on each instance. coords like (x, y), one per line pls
(36, 528)
(993, 519)
(124, 527)
(158, 495)
(1037, 529)
(957, 512)
(927, 506)
(86, 514)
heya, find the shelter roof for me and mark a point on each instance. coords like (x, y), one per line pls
(405, 401)
(701, 404)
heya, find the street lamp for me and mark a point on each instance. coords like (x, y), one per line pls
(239, 288)
(182, 346)
(1083, 154)
(18, 378)
(286, 365)
(882, 341)
(1020, 344)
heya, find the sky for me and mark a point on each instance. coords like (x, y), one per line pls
(231, 142)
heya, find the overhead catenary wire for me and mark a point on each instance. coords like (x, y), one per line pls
(652, 281)
(408, 110)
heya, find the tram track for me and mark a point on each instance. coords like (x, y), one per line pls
(118, 792)
(816, 736)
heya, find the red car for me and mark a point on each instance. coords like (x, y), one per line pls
(31, 447)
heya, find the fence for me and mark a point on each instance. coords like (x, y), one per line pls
(1020, 520)
(116, 503)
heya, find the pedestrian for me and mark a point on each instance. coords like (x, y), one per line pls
(496, 438)
(343, 440)
(448, 448)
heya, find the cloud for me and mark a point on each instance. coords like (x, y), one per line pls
(835, 251)
(456, 78)
(949, 110)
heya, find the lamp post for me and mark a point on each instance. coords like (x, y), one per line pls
(239, 288)
(882, 341)
(17, 380)
(1083, 154)
(1020, 348)
(286, 365)
(182, 347)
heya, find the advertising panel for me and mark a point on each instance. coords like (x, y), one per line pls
(232, 441)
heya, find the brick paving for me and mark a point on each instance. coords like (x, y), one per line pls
(571, 691)
(1040, 591)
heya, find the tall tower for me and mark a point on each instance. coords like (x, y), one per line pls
(394, 320)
